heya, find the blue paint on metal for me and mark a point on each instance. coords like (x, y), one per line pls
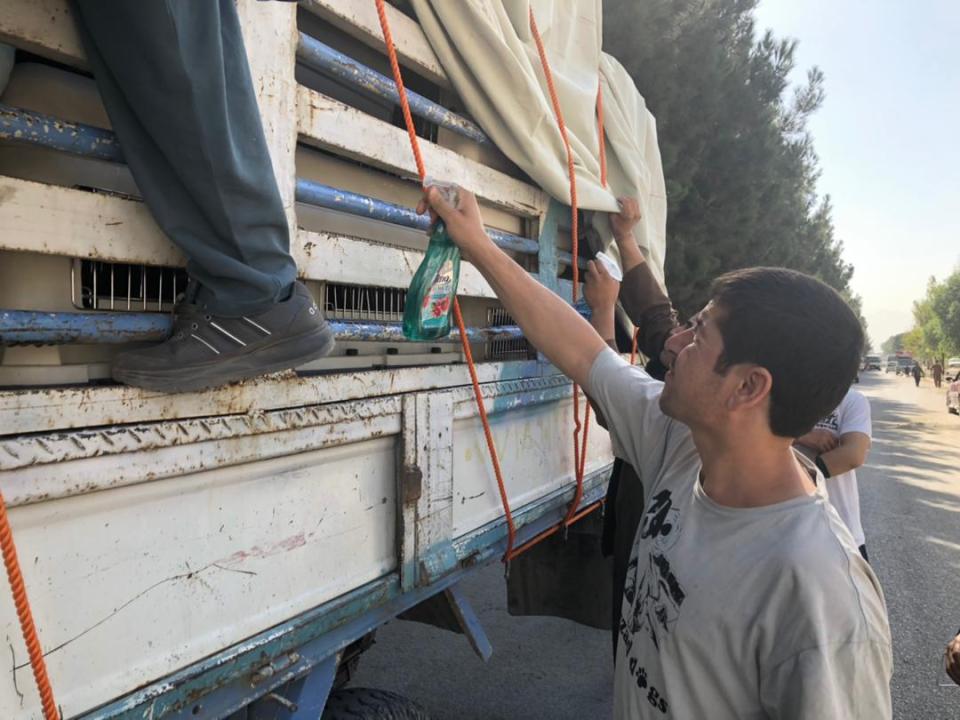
(547, 258)
(469, 622)
(25, 327)
(308, 696)
(33, 128)
(436, 562)
(331, 198)
(516, 401)
(60, 328)
(332, 63)
(326, 196)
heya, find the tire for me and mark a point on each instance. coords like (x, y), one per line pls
(371, 704)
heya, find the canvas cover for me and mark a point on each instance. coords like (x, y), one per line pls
(488, 51)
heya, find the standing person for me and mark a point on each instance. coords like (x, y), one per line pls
(745, 595)
(174, 79)
(650, 310)
(937, 374)
(917, 373)
(840, 443)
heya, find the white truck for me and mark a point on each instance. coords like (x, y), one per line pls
(225, 553)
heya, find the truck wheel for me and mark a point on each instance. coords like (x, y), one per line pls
(370, 704)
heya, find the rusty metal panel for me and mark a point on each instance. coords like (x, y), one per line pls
(41, 467)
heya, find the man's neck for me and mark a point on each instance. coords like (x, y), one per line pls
(751, 472)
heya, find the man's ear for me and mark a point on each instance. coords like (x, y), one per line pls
(753, 387)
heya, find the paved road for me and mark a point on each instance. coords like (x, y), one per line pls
(910, 498)
(552, 669)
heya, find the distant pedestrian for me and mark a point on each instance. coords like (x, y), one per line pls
(937, 371)
(917, 373)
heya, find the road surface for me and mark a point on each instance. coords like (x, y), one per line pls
(544, 668)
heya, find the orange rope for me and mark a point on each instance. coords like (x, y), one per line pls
(579, 462)
(458, 317)
(491, 446)
(27, 627)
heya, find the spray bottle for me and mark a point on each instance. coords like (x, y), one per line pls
(433, 289)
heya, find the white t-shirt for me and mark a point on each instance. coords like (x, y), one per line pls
(732, 613)
(852, 415)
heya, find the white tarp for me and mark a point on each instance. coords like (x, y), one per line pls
(488, 52)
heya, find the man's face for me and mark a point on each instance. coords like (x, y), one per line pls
(693, 391)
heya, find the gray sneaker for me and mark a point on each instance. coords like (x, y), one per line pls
(207, 350)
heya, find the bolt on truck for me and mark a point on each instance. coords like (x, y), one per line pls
(228, 553)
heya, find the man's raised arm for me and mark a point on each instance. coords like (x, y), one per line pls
(552, 326)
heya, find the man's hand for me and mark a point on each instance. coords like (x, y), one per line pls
(464, 223)
(625, 220)
(552, 326)
(600, 292)
(820, 440)
(622, 225)
(951, 659)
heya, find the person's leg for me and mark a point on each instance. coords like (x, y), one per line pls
(174, 78)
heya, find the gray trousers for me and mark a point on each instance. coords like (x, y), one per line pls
(174, 78)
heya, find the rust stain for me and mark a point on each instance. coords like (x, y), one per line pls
(286, 545)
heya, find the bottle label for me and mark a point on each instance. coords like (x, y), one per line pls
(436, 301)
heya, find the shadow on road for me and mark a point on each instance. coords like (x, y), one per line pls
(910, 501)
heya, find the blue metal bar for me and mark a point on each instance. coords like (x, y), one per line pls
(26, 126)
(24, 327)
(331, 198)
(326, 196)
(324, 59)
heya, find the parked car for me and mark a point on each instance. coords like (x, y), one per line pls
(905, 365)
(953, 365)
(871, 362)
(953, 393)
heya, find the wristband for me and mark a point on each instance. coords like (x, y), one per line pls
(822, 466)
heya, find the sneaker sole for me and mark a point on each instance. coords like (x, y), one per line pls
(282, 355)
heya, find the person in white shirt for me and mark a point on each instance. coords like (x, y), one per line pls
(745, 595)
(839, 444)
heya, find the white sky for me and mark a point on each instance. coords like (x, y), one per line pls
(886, 137)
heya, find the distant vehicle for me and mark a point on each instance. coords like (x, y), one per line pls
(905, 365)
(871, 362)
(892, 366)
(953, 364)
(953, 393)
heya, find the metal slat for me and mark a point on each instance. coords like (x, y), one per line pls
(334, 64)
(18, 327)
(33, 128)
(331, 198)
(22, 126)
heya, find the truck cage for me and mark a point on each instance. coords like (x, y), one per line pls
(355, 453)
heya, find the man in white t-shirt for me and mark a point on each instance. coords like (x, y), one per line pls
(745, 594)
(839, 444)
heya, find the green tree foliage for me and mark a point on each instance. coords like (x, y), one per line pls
(936, 321)
(893, 344)
(739, 164)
